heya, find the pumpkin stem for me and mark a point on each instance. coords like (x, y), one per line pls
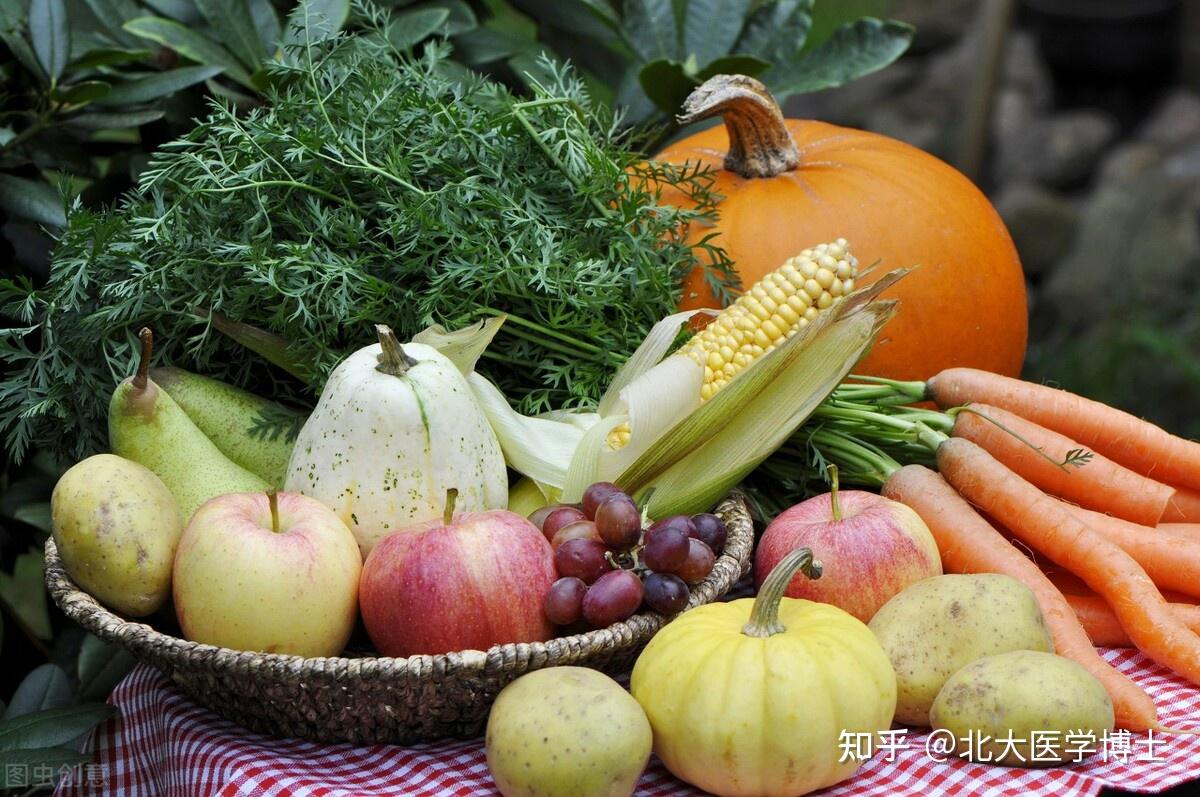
(833, 493)
(451, 500)
(392, 360)
(760, 144)
(764, 619)
(143, 369)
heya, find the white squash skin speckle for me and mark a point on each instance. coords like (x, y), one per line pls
(382, 450)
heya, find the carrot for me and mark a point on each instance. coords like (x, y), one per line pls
(1188, 531)
(968, 544)
(1043, 523)
(1100, 484)
(1103, 627)
(1183, 507)
(1172, 562)
(1123, 438)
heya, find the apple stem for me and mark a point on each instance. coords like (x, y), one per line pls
(833, 493)
(764, 617)
(143, 369)
(273, 500)
(451, 500)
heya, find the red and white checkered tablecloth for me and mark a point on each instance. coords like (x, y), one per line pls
(163, 745)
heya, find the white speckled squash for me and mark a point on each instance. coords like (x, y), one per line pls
(395, 428)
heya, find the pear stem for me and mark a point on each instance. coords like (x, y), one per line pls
(143, 370)
(273, 500)
(451, 500)
(392, 360)
(833, 493)
(764, 617)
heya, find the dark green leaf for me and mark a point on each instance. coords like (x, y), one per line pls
(602, 11)
(667, 84)
(485, 45)
(107, 56)
(650, 28)
(30, 199)
(27, 767)
(461, 20)
(777, 31)
(409, 27)
(50, 35)
(115, 13)
(317, 20)
(159, 85)
(35, 514)
(23, 590)
(234, 26)
(266, 22)
(51, 727)
(115, 120)
(44, 688)
(184, 11)
(855, 50)
(80, 93)
(102, 665)
(24, 54)
(712, 26)
(191, 45)
(734, 65)
(594, 19)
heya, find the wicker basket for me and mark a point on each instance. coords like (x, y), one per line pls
(377, 699)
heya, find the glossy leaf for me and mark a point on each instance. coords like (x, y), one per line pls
(776, 32)
(710, 27)
(317, 20)
(857, 49)
(266, 24)
(52, 727)
(461, 19)
(36, 514)
(102, 665)
(107, 56)
(190, 44)
(50, 35)
(734, 65)
(116, 120)
(43, 688)
(650, 28)
(184, 11)
(23, 767)
(409, 27)
(485, 45)
(112, 14)
(158, 85)
(81, 93)
(666, 83)
(233, 25)
(32, 200)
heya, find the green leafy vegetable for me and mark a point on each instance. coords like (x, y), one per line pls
(374, 188)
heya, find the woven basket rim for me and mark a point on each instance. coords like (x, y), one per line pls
(81, 607)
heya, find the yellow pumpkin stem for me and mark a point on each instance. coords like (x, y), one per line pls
(760, 144)
(393, 359)
(143, 369)
(764, 618)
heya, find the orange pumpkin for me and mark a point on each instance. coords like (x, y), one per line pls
(789, 184)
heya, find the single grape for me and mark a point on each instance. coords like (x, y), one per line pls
(710, 530)
(697, 564)
(676, 521)
(583, 559)
(594, 496)
(538, 516)
(579, 530)
(564, 601)
(561, 516)
(614, 597)
(666, 548)
(619, 521)
(666, 593)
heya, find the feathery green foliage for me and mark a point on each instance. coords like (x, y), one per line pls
(375, 187)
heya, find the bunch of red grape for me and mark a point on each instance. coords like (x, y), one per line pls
(608, 566)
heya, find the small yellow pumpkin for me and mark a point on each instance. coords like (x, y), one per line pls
(763, 696)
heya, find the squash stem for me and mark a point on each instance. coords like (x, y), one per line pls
(392, 360)
(143, 370)
(760, 144)
(764, 619)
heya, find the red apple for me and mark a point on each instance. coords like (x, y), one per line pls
(469, 583)
(870, 548)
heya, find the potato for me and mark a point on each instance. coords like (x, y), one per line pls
(939, 625)
(567, 731)
(1052, 709)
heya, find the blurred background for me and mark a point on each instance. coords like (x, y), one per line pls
(1079, 118)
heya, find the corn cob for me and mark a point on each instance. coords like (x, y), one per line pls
(774, 309)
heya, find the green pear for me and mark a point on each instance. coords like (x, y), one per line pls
(147, 426)
(117, 526)
(230, 416)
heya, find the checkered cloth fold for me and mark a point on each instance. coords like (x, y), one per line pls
(163, 745)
